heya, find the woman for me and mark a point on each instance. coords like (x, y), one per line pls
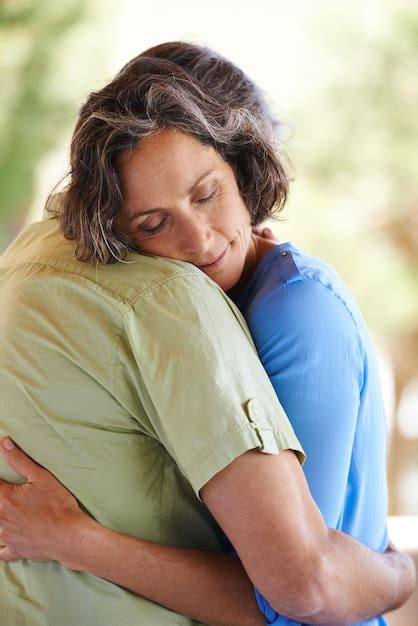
(146, 178)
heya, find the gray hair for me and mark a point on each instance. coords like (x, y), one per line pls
(151, 93)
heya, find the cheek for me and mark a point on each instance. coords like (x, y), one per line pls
(150, 245)
(242, 223)
(235, 217)
(165, 246)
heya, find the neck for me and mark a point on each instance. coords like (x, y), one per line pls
(257, 249)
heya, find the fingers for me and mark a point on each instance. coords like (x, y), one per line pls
(6, 555)
(267, 233)
(13, 551)
(264, 232)
(19, 461)
(391, 547)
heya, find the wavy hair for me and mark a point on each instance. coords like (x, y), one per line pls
(175, 85)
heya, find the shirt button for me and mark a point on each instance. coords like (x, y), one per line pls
(255, 412)
(284, 253)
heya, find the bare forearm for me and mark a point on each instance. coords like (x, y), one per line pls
(304, 570)
(365, 583)
(212, 588)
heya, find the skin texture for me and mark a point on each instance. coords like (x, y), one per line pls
(181, 201)
(305, 570)
(41, 520)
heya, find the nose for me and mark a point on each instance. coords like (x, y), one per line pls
(197, 236)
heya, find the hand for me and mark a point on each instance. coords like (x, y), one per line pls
(264, 232)
(407, 573)
(36, 518)
(391, 547)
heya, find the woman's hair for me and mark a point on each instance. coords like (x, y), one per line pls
(223, 80)
(176, 85)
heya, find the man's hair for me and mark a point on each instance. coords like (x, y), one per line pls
(173, 85)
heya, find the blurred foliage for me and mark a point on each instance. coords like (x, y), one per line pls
(41, 76)
(356, 195)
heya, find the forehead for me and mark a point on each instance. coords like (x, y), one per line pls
(168, 158)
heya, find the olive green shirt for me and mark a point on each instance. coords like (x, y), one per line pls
(134, 384)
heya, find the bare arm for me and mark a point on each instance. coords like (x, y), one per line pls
(213, 588)
(305, 570)
(302, 568)
(41, 520)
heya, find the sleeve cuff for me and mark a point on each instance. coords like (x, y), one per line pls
(256, 432)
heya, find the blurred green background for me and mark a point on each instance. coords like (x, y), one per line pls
(344, 78)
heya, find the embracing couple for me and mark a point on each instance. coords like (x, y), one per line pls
(189, 470)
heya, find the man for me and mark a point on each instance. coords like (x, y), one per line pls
(137, 385)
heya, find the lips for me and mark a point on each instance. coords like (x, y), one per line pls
(215, 263)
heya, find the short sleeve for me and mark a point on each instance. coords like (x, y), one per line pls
(205, 394)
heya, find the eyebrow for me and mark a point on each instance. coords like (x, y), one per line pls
(190, 189)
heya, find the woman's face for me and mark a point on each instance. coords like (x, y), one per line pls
(181, 201)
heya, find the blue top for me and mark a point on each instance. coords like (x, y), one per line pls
(315, 347)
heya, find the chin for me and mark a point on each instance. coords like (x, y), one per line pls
(226, 283)
(226, 278)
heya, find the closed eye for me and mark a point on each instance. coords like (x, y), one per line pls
(154, 229)
(207, 198)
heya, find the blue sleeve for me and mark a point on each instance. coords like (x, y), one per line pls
(308, 343)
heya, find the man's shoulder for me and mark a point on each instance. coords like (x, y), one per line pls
(42, 251)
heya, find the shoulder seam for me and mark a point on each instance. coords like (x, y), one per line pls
(153, 288)
(305, 277)
(329, 288)
(128, 303)
(347, 308)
